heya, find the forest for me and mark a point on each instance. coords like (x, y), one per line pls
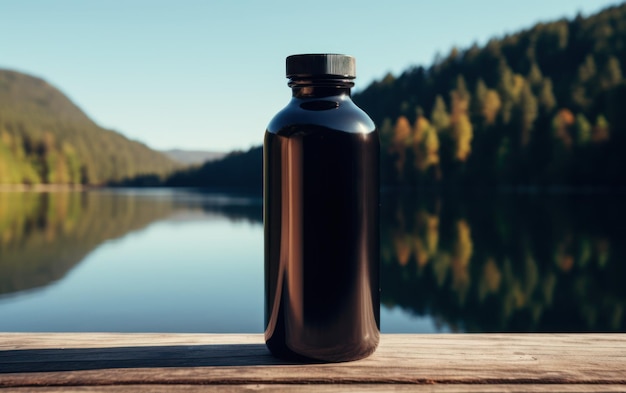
(540, 107)
(46, 139)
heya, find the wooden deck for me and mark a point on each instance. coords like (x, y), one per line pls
(102, 362)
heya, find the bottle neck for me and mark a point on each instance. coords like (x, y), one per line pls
(320, 87)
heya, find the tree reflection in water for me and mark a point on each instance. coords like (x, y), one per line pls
(533, 263)
(485, 263)
(45, 235)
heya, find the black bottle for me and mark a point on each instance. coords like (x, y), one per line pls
(321, 201)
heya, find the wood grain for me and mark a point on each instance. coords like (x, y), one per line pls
(464, 362)
(371, 388)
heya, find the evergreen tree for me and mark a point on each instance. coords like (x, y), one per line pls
(535, 77)
(584, 86)
(583, 130)
(527, 114)
(439, 116)
(478, 102)
(600, 130)
(546, 99)
(611, 74)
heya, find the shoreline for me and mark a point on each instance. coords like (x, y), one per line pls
(385, 189)
(45, 187)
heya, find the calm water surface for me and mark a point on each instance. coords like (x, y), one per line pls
(185, 261)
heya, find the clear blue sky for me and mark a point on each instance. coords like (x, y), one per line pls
(202, 74)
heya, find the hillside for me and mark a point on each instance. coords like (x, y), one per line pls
(540, 107)
(46, 139)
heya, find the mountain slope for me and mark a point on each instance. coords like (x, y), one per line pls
(45, 138)
(540, 107)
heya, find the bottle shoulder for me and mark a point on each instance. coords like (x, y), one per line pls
(337, 113)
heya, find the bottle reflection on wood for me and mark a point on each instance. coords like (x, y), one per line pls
(321, 201)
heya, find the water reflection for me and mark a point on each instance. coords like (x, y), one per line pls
(469, 263)
(507, 263)
(44, 235)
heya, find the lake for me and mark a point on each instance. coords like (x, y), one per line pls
(163, 260)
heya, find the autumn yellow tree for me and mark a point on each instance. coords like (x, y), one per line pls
(461, 126)
(401, 140)
(425, 144)
(429, 148)
(491, 106)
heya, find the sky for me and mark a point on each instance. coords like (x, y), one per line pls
(209, 75)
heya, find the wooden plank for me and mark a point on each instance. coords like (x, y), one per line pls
(448, 362)
(355, 388)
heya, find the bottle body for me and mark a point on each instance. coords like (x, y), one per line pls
(321, 202)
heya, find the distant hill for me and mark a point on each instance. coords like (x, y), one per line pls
(45, 138)
(237, 171)
(193, 157)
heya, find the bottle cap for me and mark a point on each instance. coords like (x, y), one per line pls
(320, 65)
